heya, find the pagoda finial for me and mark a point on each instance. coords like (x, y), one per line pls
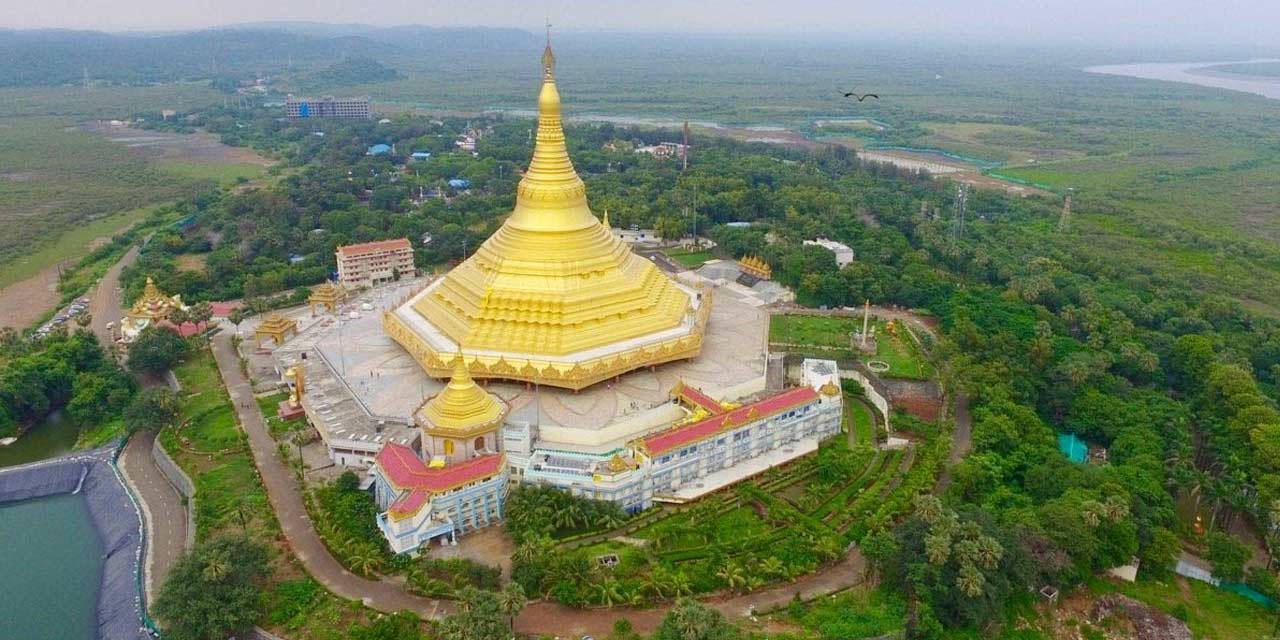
(548, 57)
(605, 221)
(461, 375)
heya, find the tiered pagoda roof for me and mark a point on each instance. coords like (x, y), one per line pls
(462, 409)
(153, 304)
(553, 288)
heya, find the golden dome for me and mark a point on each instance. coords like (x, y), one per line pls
(462, 409)
(553, 280)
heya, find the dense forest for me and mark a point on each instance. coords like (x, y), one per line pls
(1043, 332)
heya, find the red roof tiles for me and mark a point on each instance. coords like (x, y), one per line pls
(374, 247)
(696, 397)
(683, 435)
(402, 467)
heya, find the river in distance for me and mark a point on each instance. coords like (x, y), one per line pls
(1198, 73)
(50, 569)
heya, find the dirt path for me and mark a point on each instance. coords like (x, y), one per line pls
(106, 302)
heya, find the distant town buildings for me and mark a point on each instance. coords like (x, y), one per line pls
(664, 150)
(363, 265)
(844, 254)
(326, 107)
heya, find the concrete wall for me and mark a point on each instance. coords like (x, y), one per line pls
(182, 483)
(116, 518)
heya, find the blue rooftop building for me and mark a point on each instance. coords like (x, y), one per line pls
(459, 183)
(379, 150)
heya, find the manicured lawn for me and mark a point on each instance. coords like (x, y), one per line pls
(689, 259)
(818, 331)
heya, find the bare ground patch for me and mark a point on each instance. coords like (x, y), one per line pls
(199, 147)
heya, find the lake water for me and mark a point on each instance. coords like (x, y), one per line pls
(50, 579)
(1195, 73)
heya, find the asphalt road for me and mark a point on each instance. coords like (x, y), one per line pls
(166, 515)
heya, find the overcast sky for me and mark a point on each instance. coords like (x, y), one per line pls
(1168, 22)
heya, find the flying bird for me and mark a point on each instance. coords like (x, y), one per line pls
(860, 98)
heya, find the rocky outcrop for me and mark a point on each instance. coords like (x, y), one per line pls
(1148, 623)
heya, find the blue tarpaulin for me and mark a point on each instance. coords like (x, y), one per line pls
(1073, 447)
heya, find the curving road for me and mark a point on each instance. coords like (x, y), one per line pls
(537, 619)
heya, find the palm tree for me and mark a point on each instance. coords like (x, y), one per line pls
(970, 580)
(216, 568)
(772, 567)
(510, 601)
(365, 559)
(608, 592)
(732, 574)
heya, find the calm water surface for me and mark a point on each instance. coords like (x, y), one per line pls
(50, 569)
(54, 436)
(1195, 73)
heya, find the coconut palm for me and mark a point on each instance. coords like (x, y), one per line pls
(970, 580)
(608, 592)
(772, 567)
(365, 559)
(733, 575)
(216, 568)
(510, 601)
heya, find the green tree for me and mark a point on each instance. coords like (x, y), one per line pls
(154, 408)
(402, 625)
(511, 600)
(691, 620)
(1227, 555)
(156, 350)
(214, 591)
(479, 617)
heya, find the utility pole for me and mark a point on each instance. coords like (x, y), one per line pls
(1066, 211)
(962, 197)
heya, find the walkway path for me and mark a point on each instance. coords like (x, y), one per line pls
(538, 618)
(286, 500)
(166, 515)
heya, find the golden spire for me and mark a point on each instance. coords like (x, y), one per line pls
(462, 408)
(548, 56)
(551, 197)
(605, 221)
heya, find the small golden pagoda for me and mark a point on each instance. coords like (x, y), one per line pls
(327, 295)
(553, 296)
(461, 421)
(276, 327)
(753, 266)
(151, 307)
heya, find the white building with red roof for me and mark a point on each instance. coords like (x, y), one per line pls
(717, 444)
(454, 480)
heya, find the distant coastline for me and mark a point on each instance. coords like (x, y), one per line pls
(1198, 73)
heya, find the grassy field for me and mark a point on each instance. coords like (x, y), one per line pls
(212, 449)
(56, 178)
(70, 246)
(689, 259)
(828, 336)
(862, 420)
(223, 174)
(1212, 614)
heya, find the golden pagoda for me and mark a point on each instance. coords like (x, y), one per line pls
(553, 296)
(276, 327)
(327, 295)
(151, 307)
(461, 421)
(753, 266)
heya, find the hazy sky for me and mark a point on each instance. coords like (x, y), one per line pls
(1169, 22)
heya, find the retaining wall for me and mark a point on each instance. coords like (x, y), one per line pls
(182, 483)
(116, 519)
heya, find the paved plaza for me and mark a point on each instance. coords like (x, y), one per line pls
(385, 381)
